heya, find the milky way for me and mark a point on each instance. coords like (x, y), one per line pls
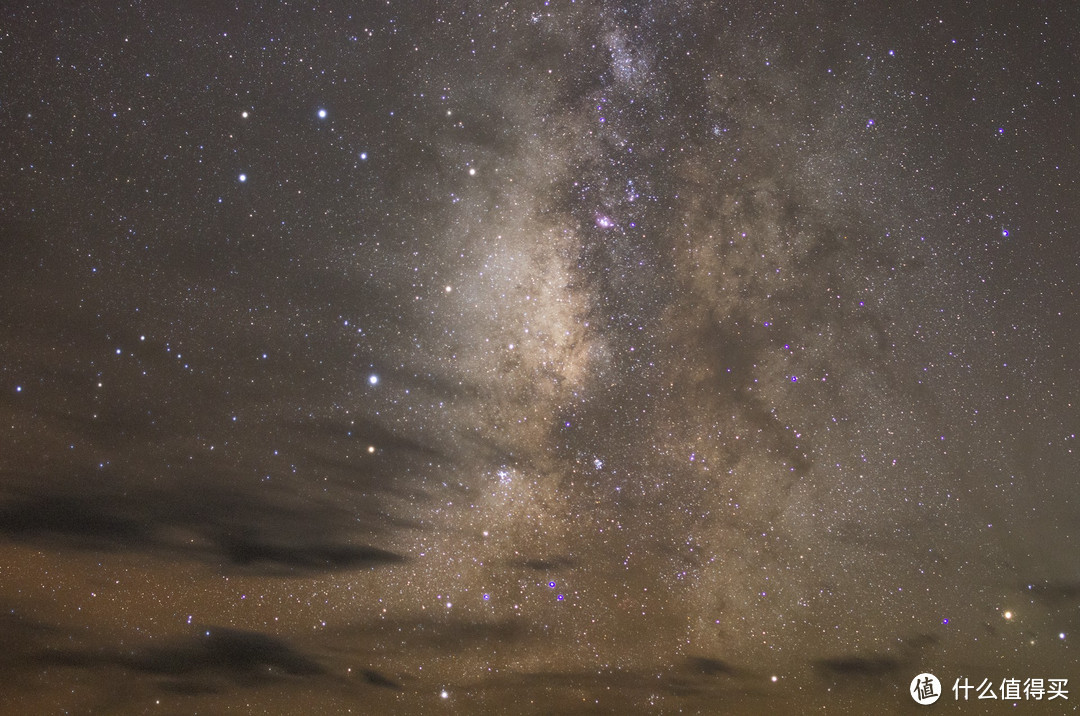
(536, 357)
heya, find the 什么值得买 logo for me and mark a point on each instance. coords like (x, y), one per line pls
(925, 689)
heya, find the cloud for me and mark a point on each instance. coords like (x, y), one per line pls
(262, 531)
(376, 679)
(201, 664)
(625, 690)
(853, 665)
(710, 667)
(1060, 592)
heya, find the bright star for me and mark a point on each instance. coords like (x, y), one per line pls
(322, 114)
(242, 178)
(373, 379)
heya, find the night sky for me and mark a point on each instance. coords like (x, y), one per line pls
(537, 357)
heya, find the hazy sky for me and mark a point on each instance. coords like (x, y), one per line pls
(537, 357)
